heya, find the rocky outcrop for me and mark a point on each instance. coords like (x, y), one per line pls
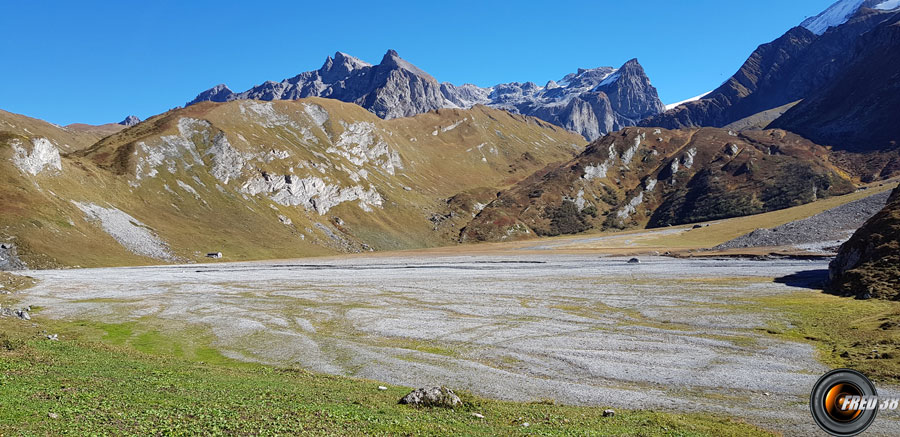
(432, 397)
(591, 102)
(9, 257)
(41, 156)
(868, 265)
(655, 177)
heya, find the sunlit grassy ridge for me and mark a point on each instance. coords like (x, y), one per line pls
(447, 162)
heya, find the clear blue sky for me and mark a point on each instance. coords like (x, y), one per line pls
(96, 62)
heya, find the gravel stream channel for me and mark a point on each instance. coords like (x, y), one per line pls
(669, 334)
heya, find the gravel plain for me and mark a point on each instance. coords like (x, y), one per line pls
(671, 334)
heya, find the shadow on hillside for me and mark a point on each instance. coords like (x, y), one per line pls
(812, 279)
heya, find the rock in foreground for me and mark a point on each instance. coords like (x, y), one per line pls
(432, 397)
(868, 265)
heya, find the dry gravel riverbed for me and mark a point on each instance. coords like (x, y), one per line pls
(673, 334)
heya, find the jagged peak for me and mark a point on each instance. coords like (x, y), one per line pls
(392, 59)
(131, 120)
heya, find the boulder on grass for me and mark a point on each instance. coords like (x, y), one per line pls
(432, 397)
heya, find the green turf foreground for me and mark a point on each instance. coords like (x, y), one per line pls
(87, 387)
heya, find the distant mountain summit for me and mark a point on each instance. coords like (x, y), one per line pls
(131, 120)
(591, 102)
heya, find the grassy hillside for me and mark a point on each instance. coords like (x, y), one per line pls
(259, 180)
(654, 177)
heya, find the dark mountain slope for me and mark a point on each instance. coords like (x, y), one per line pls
(858, 110)
(785, 70)
(868, 265)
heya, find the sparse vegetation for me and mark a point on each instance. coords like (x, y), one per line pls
(567, 219)
(79, 386)
(858, 334)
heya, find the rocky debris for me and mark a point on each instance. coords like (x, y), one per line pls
(131, 120)
(868, 265)
(20, 313)
(53, 415)
(9, 257)
(43, 155)
(478, 415)
(432, 397)
(832, 226)
(130, 232)
(382, 388)
(53, 337)
(634, 261)
(609, 413)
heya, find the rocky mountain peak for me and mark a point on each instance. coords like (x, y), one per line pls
(397, 88)
(393, 60)
(218, 93)
(131, 120)
(340, 66)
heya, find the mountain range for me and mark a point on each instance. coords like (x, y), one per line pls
(355, 157)
(591, 102)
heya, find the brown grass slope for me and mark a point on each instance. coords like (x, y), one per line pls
(868, 265)
(655, 177)
(231, 177)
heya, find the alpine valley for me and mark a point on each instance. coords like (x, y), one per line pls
(356, 157)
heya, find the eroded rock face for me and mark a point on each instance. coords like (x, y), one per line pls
(432, 397)
(868, 265)
(43, 156)
(311, 192)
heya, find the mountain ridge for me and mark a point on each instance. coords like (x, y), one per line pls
(591, 102)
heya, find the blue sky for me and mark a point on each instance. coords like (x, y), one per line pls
(96, 62)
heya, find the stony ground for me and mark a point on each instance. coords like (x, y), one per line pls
(824, 231)
(664, 334)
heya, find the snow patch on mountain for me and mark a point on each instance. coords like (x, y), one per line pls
(836, 14)
(692, 99)
(888, 5)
